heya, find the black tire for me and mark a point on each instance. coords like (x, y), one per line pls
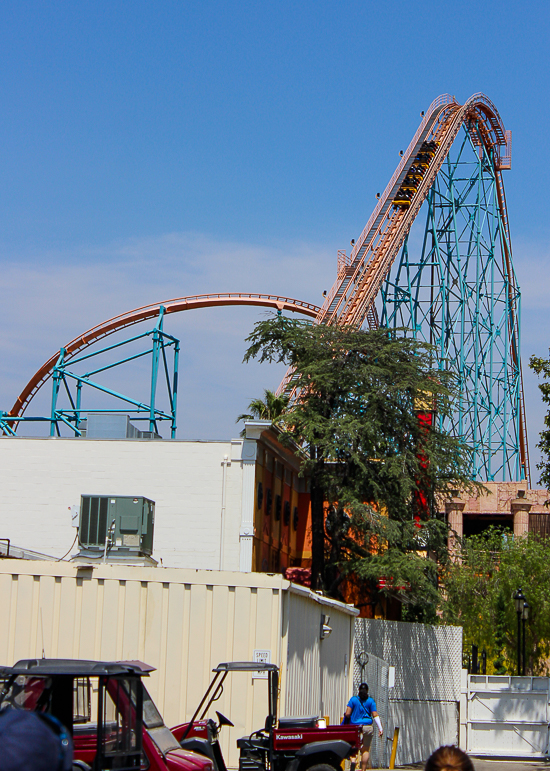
(323, 767)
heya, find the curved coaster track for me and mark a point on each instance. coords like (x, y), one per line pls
(136, 316)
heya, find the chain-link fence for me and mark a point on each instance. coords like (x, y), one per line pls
(424, 699)
(427, 659)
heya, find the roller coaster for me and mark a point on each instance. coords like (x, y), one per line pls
(434, 258)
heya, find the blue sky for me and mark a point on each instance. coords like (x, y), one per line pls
(153, 150)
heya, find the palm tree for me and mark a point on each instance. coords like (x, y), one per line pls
(271, 407)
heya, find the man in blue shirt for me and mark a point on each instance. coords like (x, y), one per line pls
(361, 710)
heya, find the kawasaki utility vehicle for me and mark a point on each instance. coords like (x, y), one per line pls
(106, 709)
(284, 744)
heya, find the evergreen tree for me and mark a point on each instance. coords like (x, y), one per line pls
(360, 415)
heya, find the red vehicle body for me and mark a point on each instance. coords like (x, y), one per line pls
(288, 737)
(128, 732)
(284, 744)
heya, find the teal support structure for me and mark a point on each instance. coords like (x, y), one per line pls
(69, 383)
(453, 286)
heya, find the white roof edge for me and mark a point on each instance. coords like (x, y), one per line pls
(304, 591)
(255, 428)
(61, 568)
(19, 553)
(144, 573)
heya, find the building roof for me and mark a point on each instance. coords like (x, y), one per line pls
(76, 667)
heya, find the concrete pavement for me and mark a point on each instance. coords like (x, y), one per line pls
(497, 765)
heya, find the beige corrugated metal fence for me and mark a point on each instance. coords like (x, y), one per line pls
(183, 622)
(303, 686)
(317, 670)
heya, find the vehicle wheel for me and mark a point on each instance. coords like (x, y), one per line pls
(323, 767)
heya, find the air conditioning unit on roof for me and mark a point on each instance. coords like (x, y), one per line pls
(118, 528)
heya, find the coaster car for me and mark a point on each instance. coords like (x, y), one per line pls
(409, 184)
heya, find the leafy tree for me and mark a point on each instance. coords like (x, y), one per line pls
(271, 407)
(499, 664)
(360, 397)
(542, 367)
(478, 596)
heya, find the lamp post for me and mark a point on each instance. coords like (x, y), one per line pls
(524, 617)
(519, 600)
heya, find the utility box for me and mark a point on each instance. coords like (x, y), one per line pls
(112, 425)
(124, 523)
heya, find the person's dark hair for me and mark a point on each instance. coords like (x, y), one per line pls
(449, 759)
(364, 685)
(33, 742)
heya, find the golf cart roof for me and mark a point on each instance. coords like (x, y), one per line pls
(75, 667)
(246, 666)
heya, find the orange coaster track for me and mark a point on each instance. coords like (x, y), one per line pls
(360, 277)
(137, 315)
(351, 299)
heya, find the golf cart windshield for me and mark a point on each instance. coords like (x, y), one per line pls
(215, 689)
(30, 693)
(159, 733)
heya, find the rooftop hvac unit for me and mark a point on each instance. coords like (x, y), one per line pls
(107, 425)
(122, 522)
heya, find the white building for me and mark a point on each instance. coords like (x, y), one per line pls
(219, 505)
(203, 491)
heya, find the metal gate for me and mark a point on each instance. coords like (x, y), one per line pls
(507, 716)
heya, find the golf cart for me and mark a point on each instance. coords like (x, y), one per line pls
(105, 708)
(284, 744)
